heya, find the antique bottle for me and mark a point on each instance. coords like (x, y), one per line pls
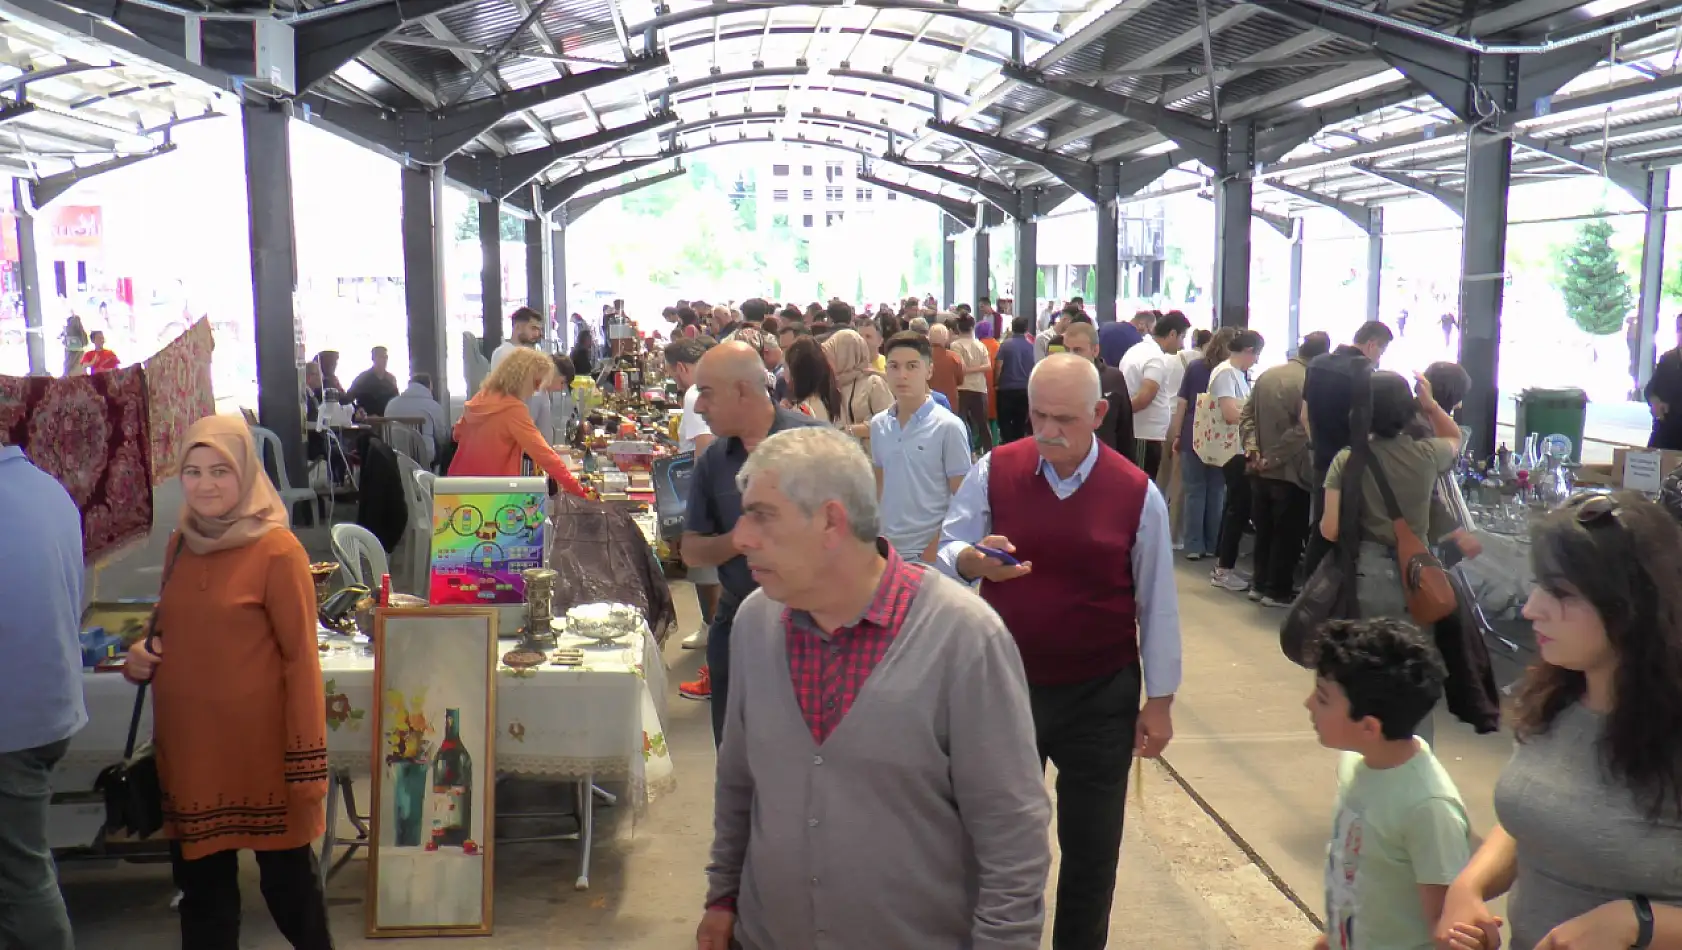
(452, 787)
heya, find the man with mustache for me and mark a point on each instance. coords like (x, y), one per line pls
(1087, 591)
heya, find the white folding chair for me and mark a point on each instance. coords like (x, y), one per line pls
(268, 447)
(406, 439)
(417, 499)
(353, 544)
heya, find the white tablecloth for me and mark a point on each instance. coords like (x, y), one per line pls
(606, 719)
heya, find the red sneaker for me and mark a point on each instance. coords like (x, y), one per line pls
(700, 688)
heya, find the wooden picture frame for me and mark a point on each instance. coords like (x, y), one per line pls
(434, 772)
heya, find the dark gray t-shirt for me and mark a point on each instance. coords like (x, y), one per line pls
(715, 503)
(1583, 839)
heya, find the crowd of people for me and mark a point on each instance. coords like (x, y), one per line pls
(917, 606)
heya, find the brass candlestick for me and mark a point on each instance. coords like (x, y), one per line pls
(540, 590)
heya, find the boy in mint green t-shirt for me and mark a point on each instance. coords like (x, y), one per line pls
(1401, 833)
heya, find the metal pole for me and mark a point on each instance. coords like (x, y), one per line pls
(1232, 252)
(1027, 267)
(950, 228)
(1106, 256)
(29, 276)
(274, 279)
(490, 276)
(558, 270)
(983, 260)
(427, 346)
(537, 267)
(1293, 313)
(1489, 168)
(1375, 261)
(1652, 275)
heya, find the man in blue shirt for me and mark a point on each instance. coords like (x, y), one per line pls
(730, 380)
(1015, 362)
(1115, 339)
(40, 691)
(920, 451)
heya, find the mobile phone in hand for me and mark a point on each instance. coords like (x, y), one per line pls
(997, 555)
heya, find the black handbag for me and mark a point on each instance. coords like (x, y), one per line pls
(134, 799)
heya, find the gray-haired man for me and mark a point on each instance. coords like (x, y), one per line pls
(911, 814)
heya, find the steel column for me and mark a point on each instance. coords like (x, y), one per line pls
(29, 275)
(1293, 312)
(490, 274)
(1233, 194)
(1027, 266)
(1655, 198)
(1483, 266)
(422, 287)
(1106, 257)
(950, 228)
(558, 278)
(537, 266)
(1375, 261)
(979, 283)
(274, 278)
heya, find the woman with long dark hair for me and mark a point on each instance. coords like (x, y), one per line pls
(811, 382)
(1590, 806)
(1203, 489)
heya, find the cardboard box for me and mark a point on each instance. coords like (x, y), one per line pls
(1598, 476)
(1669, 461)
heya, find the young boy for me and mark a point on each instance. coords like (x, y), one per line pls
(920, 451)
(1401, 833)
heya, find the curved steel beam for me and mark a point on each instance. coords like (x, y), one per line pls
(865, 94)
(756, 33)
(963, 212)
(997, 21)
(755, 75)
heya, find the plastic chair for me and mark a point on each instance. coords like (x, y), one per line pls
(352, 544)
(417, 499)
(406, 439)
(268, 448)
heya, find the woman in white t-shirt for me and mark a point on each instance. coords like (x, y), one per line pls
(1230, 385)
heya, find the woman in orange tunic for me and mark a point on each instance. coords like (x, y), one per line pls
(239, 718)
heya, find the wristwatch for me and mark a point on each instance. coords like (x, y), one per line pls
(1644, 922)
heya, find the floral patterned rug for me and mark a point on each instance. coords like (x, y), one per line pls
(90, 433)
(179, 394)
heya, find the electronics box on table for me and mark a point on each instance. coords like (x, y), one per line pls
(485, 532)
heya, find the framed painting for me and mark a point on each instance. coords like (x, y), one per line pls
(429, 865)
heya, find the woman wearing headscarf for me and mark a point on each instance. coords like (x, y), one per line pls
(864, 392)
(239, 716)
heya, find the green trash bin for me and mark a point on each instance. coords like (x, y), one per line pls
(1549, 411)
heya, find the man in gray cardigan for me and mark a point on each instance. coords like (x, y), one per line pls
(878, 784)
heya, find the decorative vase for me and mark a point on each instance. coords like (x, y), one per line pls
(408, 797)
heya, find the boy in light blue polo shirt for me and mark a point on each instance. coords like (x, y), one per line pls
(920, 450)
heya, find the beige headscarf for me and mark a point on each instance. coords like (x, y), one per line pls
(849, 356)
(259, 509)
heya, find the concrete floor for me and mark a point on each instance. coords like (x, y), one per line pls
(1243, 744)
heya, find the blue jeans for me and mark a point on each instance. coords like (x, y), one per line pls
(1205, 498)
(32, 912)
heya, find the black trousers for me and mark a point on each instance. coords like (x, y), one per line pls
(1087, 729)
(1318, 546)
(210, 910)
(1013, 414)
(1237, 515)
(1280, 510)
(972, 408)
(718, 666)
(1147, 454)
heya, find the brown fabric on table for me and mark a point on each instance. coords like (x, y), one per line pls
(602, 557)
(90, 433)
(239, 715)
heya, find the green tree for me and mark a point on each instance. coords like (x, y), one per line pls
(1596, 290)
(904, 287)
(467, 226)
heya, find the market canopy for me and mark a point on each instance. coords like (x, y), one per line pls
(1341, 103)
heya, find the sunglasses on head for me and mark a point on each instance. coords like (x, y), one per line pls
(1596, 510)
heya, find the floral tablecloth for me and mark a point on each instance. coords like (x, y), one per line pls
(605, 720)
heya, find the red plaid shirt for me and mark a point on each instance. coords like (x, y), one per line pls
(829, 671)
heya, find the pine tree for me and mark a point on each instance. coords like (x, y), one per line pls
(1597, 292)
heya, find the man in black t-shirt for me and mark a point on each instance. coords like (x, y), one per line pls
(1325, 411)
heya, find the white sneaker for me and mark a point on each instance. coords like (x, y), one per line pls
(696, 640)
(1228, 580)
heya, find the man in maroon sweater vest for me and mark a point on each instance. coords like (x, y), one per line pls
(1093, 610)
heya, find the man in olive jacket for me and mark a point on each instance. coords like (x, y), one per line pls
(1276, 441)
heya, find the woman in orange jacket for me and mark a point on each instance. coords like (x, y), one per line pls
(496, 428)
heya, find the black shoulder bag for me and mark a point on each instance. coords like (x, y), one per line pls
(134, 800)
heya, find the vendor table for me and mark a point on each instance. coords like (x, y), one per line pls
(604, 721)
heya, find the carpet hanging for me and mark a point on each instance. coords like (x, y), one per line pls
(179, 394)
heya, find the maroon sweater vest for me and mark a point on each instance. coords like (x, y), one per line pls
(1074, 617)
